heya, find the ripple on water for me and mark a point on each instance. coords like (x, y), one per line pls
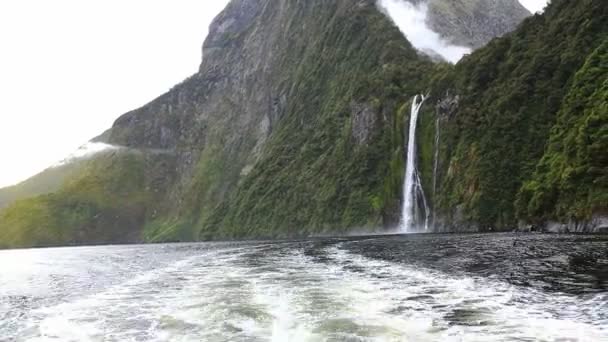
(381, 289)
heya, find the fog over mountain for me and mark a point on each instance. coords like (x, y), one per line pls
(412, 21)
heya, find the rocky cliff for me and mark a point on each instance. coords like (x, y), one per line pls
(474, 23)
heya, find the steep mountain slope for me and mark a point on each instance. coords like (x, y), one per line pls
(294, 106)
(52, 178)
(463, 22)
(570, 182)
(48, 181)
(272, 136)
(512, 95)
(294, 125)
(103, 203)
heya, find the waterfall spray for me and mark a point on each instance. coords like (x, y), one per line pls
(411, 181)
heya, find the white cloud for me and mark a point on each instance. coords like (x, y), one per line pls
(71, 67)
(534, 5)
(411, 20)
(85, 151)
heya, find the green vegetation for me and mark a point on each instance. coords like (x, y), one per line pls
(306, 135)
(313, 175)
(48, 181)
(332, 160)
(105, 203)
(571, 180)
(511, 92)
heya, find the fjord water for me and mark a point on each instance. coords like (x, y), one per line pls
(500, 287)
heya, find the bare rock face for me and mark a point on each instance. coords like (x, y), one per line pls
(225, 112)
(364, 122)
(447, 106)
(473, 23)
(597, 224)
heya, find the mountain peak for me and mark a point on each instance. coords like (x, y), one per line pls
(452, 28)
(474, 23)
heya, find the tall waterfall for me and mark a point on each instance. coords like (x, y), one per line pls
(412, 186)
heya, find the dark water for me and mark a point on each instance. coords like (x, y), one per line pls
(501, 287)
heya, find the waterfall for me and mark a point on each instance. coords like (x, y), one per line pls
(411, 184)
(427, 210)
(436, 165)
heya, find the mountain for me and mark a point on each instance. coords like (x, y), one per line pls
(51, 179)
(570, 181)
(446, 30)
(286, 92)
(294, 125)
(474, 23)
(523, 143)
(48, 181)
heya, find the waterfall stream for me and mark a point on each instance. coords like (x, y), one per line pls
(425, 205)
(412, 185)
(436, 166)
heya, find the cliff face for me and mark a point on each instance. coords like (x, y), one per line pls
(570, 182)
(474, 23)
(294, 125)
(522, 147)
(277, 133)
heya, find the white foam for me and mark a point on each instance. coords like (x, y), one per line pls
(511, 312)
(282, 294)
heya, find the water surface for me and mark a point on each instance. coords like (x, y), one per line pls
(500, 287)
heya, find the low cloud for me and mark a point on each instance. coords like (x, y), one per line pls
(86, 151)
(411, 20)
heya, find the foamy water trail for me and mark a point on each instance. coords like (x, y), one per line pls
(309, 292)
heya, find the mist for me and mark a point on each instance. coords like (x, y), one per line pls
(86, 151)
(411, 20)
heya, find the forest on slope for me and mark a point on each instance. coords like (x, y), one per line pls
(507, 141)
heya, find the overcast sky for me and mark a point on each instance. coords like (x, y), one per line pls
(69, 68)
(534, 5)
